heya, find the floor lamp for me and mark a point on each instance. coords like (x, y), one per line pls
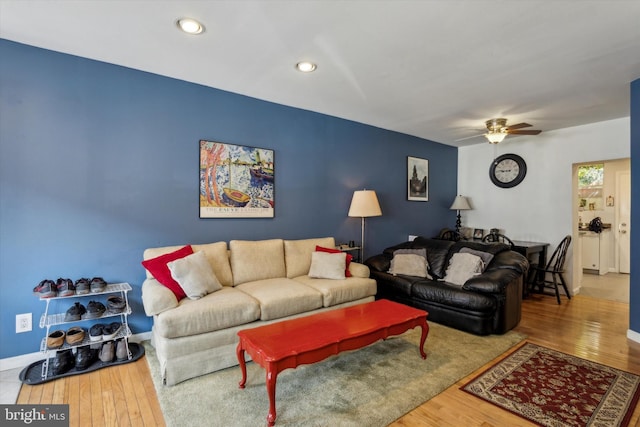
(364, 204)
(460, 204)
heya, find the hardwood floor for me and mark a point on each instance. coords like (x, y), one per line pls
(587, 327)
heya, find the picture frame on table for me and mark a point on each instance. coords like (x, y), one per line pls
(417, 179)
(236, 181)
(478, 233)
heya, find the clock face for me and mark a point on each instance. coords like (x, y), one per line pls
(508, 170)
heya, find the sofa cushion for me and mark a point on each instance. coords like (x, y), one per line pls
(194, 275)
(339, 291)
(281, 297)
(256, 260)
(326, 265)
(220, 310)
(218, 257)
(156, 297)
(297, 254)
(158, 268)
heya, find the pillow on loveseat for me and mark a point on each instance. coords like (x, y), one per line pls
(410, 262)
(325, 265)
(194, 275)
(462, 267)
(159, 269)
(349, 258)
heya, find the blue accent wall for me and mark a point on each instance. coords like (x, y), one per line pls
(99, 162)
(634, 297)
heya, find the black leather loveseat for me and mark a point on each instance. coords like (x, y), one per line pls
(487, 303)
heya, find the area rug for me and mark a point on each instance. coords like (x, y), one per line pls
(552, 388)
(372, 386)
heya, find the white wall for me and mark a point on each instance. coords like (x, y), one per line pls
(540, 208)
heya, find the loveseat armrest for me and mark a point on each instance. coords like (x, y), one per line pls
(492, 281)
(359, 270)
(157, 298)
(380, 262)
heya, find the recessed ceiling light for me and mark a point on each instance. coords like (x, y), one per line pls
(306, 66)
(190, 26)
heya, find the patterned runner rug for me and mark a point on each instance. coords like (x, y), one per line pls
(556, 389)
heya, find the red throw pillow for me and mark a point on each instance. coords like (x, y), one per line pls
(347, 273)
(158, 268)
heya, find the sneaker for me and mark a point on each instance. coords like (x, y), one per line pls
(122, 351)
(75, 335)
(46, 289)
(83, 286)
(116, 304)
(98, 285)
(75, 313)
(95, 309)
(65, 287)
(95, 332)
(110, 331)
(85, 356)
(55, 339)
(63, 361)
(107, 352)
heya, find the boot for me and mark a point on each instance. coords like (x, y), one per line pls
(63, 361)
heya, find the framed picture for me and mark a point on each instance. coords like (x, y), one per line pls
(236, 181)
(417, 179)
(478, 233)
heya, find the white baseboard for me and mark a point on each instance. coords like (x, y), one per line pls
(633, 335)
(27, 359)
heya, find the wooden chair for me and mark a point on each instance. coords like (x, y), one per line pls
(448, 234)
(497, 237)
(555, 267)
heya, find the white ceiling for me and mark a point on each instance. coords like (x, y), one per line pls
(434, 69)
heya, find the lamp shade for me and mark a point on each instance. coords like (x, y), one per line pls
(495, 137)
(364, 204)
(460, 204)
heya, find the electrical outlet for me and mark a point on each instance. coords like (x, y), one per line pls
(23, 322)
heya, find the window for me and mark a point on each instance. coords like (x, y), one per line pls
(591, 187)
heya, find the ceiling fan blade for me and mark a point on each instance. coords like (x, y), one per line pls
(469, 137)
(519, 126)
(523, 132)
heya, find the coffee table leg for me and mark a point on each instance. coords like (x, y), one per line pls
(423, 338)
(243, 366)
(271, 391)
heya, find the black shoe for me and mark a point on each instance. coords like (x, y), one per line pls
(76, 312)
(98, 285)
(63, 361)
(110, 331)
(85, 356)
(83, 286)
(95, 333)
(116, 304)
(95, 309)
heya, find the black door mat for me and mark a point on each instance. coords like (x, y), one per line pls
(32, 374)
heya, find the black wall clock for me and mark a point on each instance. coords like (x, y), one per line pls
(508, 170)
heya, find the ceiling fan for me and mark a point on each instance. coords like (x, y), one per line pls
(498, 130)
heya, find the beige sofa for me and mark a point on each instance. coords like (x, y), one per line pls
(263, 282)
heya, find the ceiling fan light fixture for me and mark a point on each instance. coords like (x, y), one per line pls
(190, 26)
(495, 137)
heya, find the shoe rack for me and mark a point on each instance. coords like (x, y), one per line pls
(49, 320)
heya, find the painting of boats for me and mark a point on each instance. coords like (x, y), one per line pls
(236, 181)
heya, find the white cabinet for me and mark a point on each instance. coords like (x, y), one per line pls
(595, 252)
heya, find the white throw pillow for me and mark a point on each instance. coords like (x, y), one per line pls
(194, 274)
(462, 267)
(325, 265)
(409, 265)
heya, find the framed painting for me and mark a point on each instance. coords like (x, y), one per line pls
(417, 179)
(236, 181)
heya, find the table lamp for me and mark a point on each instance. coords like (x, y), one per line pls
(460, 204)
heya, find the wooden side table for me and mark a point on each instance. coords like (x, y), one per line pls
(347, 248)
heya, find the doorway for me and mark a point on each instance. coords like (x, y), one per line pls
(611, 278)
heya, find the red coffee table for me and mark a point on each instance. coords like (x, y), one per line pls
(310, 339)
